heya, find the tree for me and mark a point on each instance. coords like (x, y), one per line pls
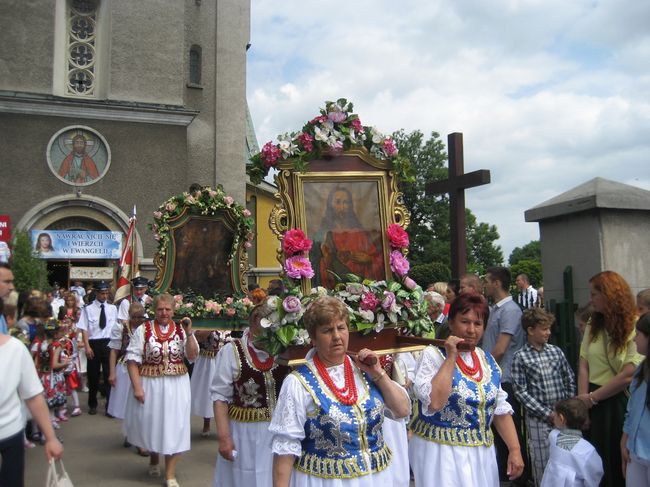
(531, 251)
(429, 229)
(425, 274)
(30, 272)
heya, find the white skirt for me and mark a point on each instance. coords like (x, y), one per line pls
(397, 440)
(379, 479)
(460, 466)
(204, 370)
(120, 392)
(162, 423)
(254, 463)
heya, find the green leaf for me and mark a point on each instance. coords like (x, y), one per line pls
(286, 334)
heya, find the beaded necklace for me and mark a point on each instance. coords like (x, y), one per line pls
(348, 393)
(262, 366)
(472, 371)
(159, 333)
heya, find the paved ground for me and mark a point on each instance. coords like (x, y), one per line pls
(94, 456)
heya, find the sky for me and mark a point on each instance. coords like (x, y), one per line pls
(547, 93)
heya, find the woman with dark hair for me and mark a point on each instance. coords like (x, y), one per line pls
(635, 442)
(459, 397)
(608, 357)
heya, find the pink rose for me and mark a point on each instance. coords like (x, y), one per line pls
(398, 263)
(295, 241)
(156, 236)
(246, 212)
(298, 267)
(178, 298)
(389, 147)
(369, 301)
(270, 154)
(388, 301)
(336, 148)
(190, 199)
(246, 302)
(410, 283)
(398, 237)
(337, 117)
(229, 200)
(307, 141)
(229, 300)
(157, 214)
(248, 245)
(171, 206)
(319, 119)
(231, 311)
(189, 305)
(356, 125)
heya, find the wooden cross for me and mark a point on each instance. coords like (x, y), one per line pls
(455, 185)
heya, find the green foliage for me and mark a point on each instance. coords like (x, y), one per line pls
(429, 231)
(30, 272)
(532, 268)
(531, 251)
(425, 274)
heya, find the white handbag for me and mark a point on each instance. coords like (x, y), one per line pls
(56, 479)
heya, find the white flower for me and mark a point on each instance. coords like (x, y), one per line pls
(367, 315)
(321, 135)
(302, 338)
(320, 291)
(376, 135)
(380, 322)
(265, 323)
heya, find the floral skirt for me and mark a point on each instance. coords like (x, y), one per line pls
(54, 389)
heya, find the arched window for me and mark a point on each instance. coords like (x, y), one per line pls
(195, 65)
(81, 52)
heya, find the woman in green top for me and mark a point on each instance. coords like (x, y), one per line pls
(608, 358)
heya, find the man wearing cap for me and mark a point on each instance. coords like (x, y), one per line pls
(95, 323)
(140, 287)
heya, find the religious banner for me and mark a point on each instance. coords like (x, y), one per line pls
(68, 244)
(5, 228)
(91, 273)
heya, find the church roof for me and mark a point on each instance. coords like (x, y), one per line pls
(595, 193)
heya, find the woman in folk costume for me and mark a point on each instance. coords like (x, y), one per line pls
(459, 397)
(328, 424)
(118, 376)
(158, 412)
(245, 390)
(49, 365)
(210, 342)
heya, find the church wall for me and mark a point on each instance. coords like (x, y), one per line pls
(146, 58)
(27, 47)
(146, 166)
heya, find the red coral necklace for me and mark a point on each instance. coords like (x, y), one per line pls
(260, 365)
(159, 333)
(348, 393)
(473, 370)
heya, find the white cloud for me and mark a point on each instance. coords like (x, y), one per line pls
(547, 93)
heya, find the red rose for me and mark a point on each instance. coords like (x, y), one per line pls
(295, 241)
(398, 237)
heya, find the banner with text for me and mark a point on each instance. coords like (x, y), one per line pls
(64, 244)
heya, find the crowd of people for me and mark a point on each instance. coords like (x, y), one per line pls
(493, 402)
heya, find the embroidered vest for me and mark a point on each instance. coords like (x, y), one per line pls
(342, 441)
(213, 343)
(256, 392)
(163, 356)
(126, 339)
(466, 418)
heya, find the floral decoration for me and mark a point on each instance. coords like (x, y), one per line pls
(207, 201)
(189, 303)
(335, 130)
(372, 305)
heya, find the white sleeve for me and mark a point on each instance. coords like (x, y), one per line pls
(289, 417)
(135, 350)
(123, 310)
(82, 324)
(116, 337)
(430, 362)
(226, 371)
(502, 404)
(30, 385)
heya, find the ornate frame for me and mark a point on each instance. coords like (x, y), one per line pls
(166, 262)
(354, 165)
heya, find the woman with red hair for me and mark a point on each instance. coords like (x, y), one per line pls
(608, 358)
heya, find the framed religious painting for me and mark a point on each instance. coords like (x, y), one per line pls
(78, 155)
(203, 239)
(344, 204)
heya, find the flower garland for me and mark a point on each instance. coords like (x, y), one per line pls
(371, 304)
(198, 307)
(206, 201)
(335, 130)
